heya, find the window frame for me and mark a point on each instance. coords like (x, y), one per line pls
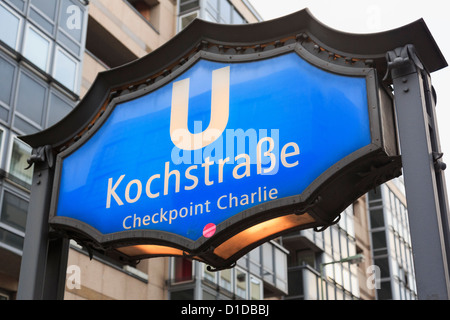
(179, 24)
(60, 95)
(172, 271)
(22, 116)
(260, 285)
(75, 85)
(20, 27)
(12, 138)
(238, 270)
(51, 42)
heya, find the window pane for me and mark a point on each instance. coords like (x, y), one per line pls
(379, 239)
(14, 211)
(255, 289)
(225, 279)
(36, 48)
(19, 156)
(376, 218)
(41, 21)
(385, 292)
(213, 3)
(383, 264)
(306, 257)
(182, 269)
(188, 19)
(11, 239)
(31, 98)
(186, 5)
(47, 7)
(20, 4)
(9, 27)
(225, 11)
(65, 70)
(6, 84)
(241, 284)
(208, 275)
(237, 18)
(58, 109)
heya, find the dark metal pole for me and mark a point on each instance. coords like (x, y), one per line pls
(425, 189)
(43, 258)
(56, 270)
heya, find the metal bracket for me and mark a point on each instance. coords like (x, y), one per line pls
(212, 269)
(402, 61)
(323, 228)
(41, 154)
(439, 164)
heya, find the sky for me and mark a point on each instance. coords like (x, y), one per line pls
(364, 16)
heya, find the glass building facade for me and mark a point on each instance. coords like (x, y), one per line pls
(41, 50)
(217, 11)
(260, 274)
(391, 242)
(313, 268)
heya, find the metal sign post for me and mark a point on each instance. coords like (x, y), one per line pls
(424, 179)
(44, 260)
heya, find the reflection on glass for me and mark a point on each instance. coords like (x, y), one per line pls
(65, 70)
(36, 49)
(9, 27)
(14, 211)
(19, 156)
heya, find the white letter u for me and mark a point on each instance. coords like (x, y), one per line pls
(220, 100)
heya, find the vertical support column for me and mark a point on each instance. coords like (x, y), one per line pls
(425, 197)
(55, 273)
(41, 256)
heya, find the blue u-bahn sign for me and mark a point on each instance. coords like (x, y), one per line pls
(217, 140)
(211, 150)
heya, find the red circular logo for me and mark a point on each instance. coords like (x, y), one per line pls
(209, 230)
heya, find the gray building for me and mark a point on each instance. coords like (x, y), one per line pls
(391, 242)
(41, 50)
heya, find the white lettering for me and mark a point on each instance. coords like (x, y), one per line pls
(245, 164)
(211, 173)
(206, 166)
(189, 176)
(284, 155)
(268, 153)
(112, 192)
(147, 186)
(167, 175)
(138, 193)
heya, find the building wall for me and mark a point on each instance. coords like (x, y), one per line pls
(362, 236)
(309, 277)
(41, 53)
